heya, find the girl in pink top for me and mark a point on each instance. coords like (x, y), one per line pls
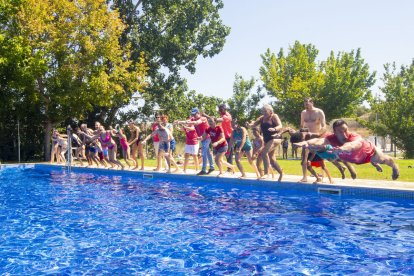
(126, 150)
(105, 138)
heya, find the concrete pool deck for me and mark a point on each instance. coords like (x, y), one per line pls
(293, 179)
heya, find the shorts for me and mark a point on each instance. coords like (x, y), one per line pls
(316, 164)
(191, 149)
(91, 149)
(164, 146)
(172, 145)
(221, 149)
(101, 155)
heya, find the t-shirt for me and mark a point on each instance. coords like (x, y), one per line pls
(360, 156)
(155, 138)
(215, 134)
(191, 137)
(201, 128)
(226, 125)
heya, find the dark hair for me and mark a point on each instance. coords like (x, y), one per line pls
(338, 123)
(223, 105)
(296, 137)
(308, 100)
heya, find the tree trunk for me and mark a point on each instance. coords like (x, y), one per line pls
(47, 140)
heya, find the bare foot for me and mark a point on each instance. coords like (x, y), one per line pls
(156, 170)
(220, 175)
(304, 180)
(342, 170)
(265, 176)
(318, 180)
(395, 172)
(177, 170)
(142, 169)
(242, 176)
(280, 177)
(377, 166)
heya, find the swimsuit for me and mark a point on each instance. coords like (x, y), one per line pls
(106, 143)
(238, 137)
(264, 126)
(123, 143)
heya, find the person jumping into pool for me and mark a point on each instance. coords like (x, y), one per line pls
(351, 147)
(258, 146)
(240, 138)
(135, 145)
(191, 143)
(165, 138)
(126, 150)
(219, 144)
(304, 135)
(200, 123)
(313, 120)
(107, 143)
(61, 141)
(270, 125)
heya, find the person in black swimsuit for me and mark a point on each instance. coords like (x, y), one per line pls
(270, 126)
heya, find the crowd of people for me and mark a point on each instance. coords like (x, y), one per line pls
(228, 138)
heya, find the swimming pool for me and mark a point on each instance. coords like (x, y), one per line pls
(112, 223)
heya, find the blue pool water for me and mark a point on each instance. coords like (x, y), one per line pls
(54, 222)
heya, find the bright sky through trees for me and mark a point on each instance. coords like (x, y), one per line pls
(384, 30)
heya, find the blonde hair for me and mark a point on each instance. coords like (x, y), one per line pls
(267, 107)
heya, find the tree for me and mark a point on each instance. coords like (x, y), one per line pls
(244, 103)
(395, 112)
(337, 85)
(70, 58)
(172, 34)
(346, 85)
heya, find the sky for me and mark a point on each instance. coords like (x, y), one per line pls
(383, 30)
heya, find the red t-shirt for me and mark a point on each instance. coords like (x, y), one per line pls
(201, 128)
(215, 134)
(226, 125)
(155, 138)
(191, 137)
(360, 156)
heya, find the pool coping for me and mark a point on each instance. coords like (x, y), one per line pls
(362, 187)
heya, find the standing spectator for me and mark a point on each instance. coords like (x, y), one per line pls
(285, 146)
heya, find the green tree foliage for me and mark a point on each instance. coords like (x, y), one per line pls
(173, 34)
(337, 85)
(395, 112)
(244, 103)
(68, 58)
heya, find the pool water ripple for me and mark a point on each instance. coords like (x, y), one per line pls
(83, 223)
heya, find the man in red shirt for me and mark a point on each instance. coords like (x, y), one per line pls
(351, 147)
(200, 124)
